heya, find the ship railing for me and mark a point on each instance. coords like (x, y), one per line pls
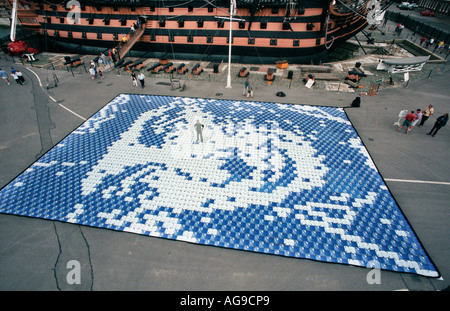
(343, 8)
(133, 35)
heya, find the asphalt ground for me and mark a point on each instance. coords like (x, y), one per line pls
(34, 253)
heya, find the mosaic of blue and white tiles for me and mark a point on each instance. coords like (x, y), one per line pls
(289, 180)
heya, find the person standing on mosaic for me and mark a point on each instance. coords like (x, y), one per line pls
(440, 122)
(199, 129)
(428, 112)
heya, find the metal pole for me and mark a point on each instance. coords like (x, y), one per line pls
(360, 45)
(228, 86)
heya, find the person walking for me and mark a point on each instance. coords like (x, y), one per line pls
(20, 77)
(250, 90)
(428, 112)
(112, 55)
(141, 78)
(134, 79)
(93, 72)
(16, 77)
(407, 122)
(418, 115)
(4, 76)
(440, 123)
(422, 40)
(441, 46)
(246, 84)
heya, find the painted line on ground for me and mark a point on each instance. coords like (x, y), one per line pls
(72, 112)
(418, 181)
(39, 80)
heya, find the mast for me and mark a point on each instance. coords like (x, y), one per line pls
(232, 8)
(12, 35)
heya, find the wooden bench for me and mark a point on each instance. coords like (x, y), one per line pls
(315, 68)
(327, 76)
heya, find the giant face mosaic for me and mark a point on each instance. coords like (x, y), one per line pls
(289, 180)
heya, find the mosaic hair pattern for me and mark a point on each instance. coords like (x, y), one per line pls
(289, 180)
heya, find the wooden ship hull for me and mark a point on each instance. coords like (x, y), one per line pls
(263, 31)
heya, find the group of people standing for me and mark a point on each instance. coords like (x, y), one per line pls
(16, 74)
(440, 46)
(94, 71)
(419, 117)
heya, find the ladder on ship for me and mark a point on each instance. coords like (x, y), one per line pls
(131, 38)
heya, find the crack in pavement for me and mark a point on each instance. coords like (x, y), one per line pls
(57, 258)
(89, 258)
(44, 121)
(71, 244)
